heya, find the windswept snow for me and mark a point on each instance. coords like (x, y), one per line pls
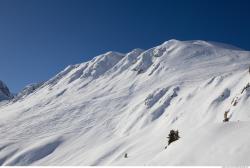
(28, 90)
(94, 112)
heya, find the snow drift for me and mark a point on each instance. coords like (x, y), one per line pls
(95, 112)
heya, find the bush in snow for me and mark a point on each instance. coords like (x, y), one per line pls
(235, 101)
(245, 88)
(173, 136)
(226, 119)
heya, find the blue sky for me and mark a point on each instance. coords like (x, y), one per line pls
(39, 38)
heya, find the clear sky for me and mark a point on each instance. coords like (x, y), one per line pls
(39, 38)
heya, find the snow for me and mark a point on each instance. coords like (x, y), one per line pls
(230, 147)
(28, 90)
(94, 112)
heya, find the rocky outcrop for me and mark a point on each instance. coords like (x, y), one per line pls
(4, 92)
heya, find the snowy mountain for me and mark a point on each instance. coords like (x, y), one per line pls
(4, 92)
(27, 90)
(95, 112)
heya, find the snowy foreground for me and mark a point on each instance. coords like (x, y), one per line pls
(95, 112)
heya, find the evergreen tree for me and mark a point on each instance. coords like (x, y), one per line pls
(173, 136)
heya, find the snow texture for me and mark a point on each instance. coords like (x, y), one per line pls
(95, 112)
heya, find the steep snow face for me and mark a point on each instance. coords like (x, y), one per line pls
(97, 66)
(128, 60)
(87, 71)
(28, 90)
(94, 112)
(4, 92)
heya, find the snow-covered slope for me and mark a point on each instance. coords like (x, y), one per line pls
(95, 112)
(27, 90)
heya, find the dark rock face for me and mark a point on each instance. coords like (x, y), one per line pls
(4, 92)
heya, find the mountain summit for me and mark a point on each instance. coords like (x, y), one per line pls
(118, 109)
(4, 92)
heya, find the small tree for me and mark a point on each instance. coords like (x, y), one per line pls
(173, 136)
(226, 119)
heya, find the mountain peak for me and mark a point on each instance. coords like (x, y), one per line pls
(113, 53)
(4, 92)
(95, 111)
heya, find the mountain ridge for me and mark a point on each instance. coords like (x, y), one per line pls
(94, 112)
